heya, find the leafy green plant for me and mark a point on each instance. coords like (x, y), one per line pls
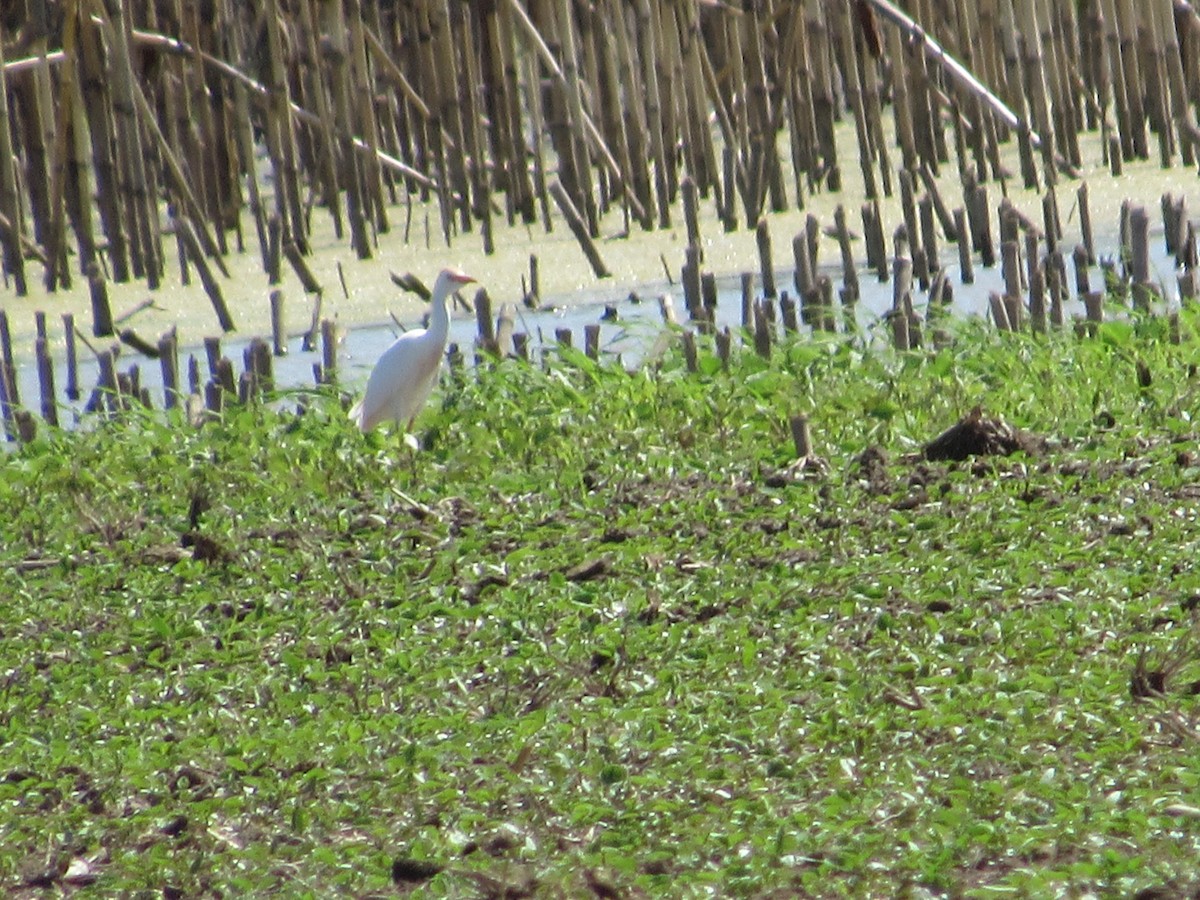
(600, 631)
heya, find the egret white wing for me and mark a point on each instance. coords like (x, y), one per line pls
(399, 383)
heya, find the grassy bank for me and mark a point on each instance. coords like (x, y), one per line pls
(597, 637)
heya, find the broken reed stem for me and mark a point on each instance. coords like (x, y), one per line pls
(45, 371)
(690, 358)
(278, 336)
(329, 351)
(295, 258)
(72, 386)
(505, 323)
(211, 287)
(483, 319)
(762, 236)
(579, 229)
(168, 358)
(801, 435)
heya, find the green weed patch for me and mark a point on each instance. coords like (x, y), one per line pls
(602, 637)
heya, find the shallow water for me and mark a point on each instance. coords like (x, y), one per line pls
(572, 296)
(638, 323)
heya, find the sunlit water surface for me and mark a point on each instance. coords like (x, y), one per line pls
(571, 295)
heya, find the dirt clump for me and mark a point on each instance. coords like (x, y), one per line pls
(977, 435)
(871, 469)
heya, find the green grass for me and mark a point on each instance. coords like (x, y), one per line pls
(597, 632)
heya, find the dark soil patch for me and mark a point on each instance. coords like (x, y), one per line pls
(871, 466)
(413, 871)
(976, 435)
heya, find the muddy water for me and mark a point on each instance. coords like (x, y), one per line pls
(572, 296)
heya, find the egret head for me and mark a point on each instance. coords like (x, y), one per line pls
(452, 279)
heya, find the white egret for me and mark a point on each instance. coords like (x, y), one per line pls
(401, 381)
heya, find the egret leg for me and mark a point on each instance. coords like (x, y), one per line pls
(404, 449)
(412, 448)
